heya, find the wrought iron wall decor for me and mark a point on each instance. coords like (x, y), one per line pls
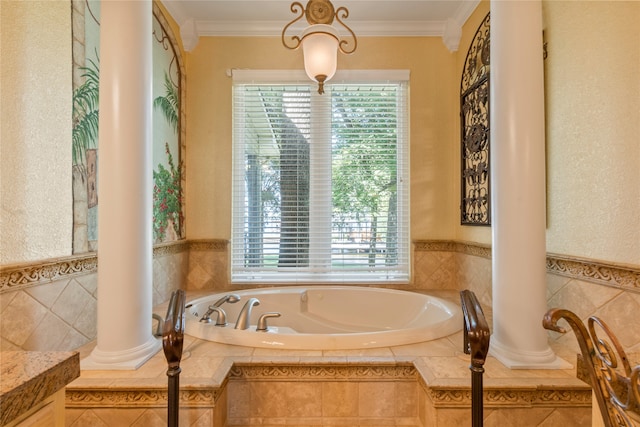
(475, 208)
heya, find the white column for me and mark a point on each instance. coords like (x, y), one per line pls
(518, 187)
(125, 340)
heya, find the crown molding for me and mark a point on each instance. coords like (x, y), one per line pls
(361, 28)
(192, 29)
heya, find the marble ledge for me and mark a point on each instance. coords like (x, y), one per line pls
(28, 377)
(438, 364)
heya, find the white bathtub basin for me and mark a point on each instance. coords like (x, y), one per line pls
(329, 318)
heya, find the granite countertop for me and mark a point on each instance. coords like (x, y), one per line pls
(29, 377)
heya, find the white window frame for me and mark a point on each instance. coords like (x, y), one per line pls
(402, 273)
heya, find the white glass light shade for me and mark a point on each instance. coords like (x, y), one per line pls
(320, 49)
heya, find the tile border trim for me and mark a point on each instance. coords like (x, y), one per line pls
(625, 277)
(318, 372)
(136, 398)
(608, 274)
(440, 396)
(18, 276)
(467, 248)
(511, 397)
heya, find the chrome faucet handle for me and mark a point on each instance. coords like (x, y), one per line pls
(262, 321)
(206, 316)
(159, 326)
(222, 316)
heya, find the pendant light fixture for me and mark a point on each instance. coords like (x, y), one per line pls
(320, 40)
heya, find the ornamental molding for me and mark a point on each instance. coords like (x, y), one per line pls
(434, 246)
(478, 250)
(498, 398)
(171, 248)
(569, 397)
(474, 249)
(440, 396)
(619, 276)
(133, 398)
(19, 276)
(323, 372)
(625, 277)
(215, 245)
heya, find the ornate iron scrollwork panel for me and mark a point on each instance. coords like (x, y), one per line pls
(475, 208)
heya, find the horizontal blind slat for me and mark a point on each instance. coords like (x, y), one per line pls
(286, 225)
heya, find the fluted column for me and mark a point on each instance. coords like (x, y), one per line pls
(125, 187)
(518, 186)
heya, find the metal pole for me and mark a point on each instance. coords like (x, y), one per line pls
(172, 340)
(477, 415)
(173, 396)
(476, 343)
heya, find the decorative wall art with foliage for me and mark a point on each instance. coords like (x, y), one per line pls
(168, 217)
(167, 177)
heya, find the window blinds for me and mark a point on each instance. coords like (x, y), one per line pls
(320, 182)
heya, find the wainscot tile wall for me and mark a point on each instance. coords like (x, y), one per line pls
(51, 305)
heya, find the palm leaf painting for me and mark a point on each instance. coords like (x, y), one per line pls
(85, 114)
(169, 104)
(167, 192)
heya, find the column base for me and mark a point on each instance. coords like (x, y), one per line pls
(130, 359)
(514, 359)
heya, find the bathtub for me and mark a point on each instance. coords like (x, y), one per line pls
(328, 318)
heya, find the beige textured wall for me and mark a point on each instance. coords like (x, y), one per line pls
(593, 105)
(35, 136)
(593, 123)
(433, 133)
(593, 129)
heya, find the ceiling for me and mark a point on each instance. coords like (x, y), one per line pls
(366, 17)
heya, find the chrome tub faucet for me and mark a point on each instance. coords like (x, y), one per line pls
(244, 318)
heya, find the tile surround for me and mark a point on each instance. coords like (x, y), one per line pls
(396, 386)
(52, 306)
(54, 302)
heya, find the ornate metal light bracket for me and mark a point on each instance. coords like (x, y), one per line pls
(475, 207)
(320, 12)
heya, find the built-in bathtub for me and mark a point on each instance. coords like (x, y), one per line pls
(327, 318)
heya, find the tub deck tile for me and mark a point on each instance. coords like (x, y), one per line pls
(438, 369)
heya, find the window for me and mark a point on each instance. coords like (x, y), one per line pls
(320, 182)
